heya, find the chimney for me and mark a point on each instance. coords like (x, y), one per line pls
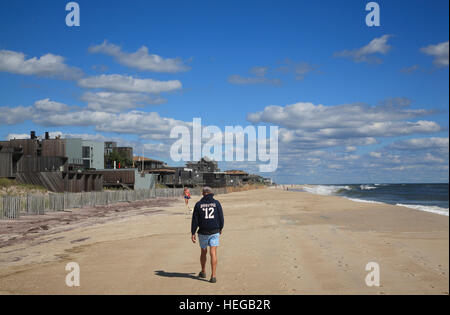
(33, 135)
(47, 136)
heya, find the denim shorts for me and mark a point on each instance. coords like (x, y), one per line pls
(208, 240)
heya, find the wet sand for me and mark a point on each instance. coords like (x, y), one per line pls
(274, 242)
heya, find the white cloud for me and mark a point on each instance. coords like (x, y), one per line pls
(423, 155)
(259, 77)
(410, 70)
(302, 69)
(41, 108)
(52, 134)
(17, 136)
(344, 120)
(156, 149)
(149, 125)
(120, 83)
(422, 144)
(431, 158)
(240, 80)
(140, 59)
(439, 52)
(14, 115)
(75, 118)
(296, 140)
(299, 69)
(366, 53)
(375, 154)
(48, 65)
(392, 128)
(98, 137)
(50, 106)
(259, 71)
(306, 127)
(384, 165)
(117, 102)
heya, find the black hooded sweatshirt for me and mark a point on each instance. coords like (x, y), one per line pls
(207, 216)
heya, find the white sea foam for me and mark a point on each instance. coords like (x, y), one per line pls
(432, 209)
(363, 201)
(325, 190)
(367, 187)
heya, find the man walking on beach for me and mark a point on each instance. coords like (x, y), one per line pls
(208, 218)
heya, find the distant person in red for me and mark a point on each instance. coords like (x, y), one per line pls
(187, 196)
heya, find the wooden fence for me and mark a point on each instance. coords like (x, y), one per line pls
(11, 207)
(178, 192)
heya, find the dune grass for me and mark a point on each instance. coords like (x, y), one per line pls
(8, 185)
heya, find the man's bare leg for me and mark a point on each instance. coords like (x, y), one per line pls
(203, 259)
(213, 253)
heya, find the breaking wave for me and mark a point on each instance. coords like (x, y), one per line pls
(367, 187)
(363, 201)
(325, 190)
(424, 197)
(432, 209)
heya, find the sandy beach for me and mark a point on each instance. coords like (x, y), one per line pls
(274, 242)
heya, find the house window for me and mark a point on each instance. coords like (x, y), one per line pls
(86, 152)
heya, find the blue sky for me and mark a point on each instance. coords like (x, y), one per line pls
(227, 62)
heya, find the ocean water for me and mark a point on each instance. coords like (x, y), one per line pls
(424, 197)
